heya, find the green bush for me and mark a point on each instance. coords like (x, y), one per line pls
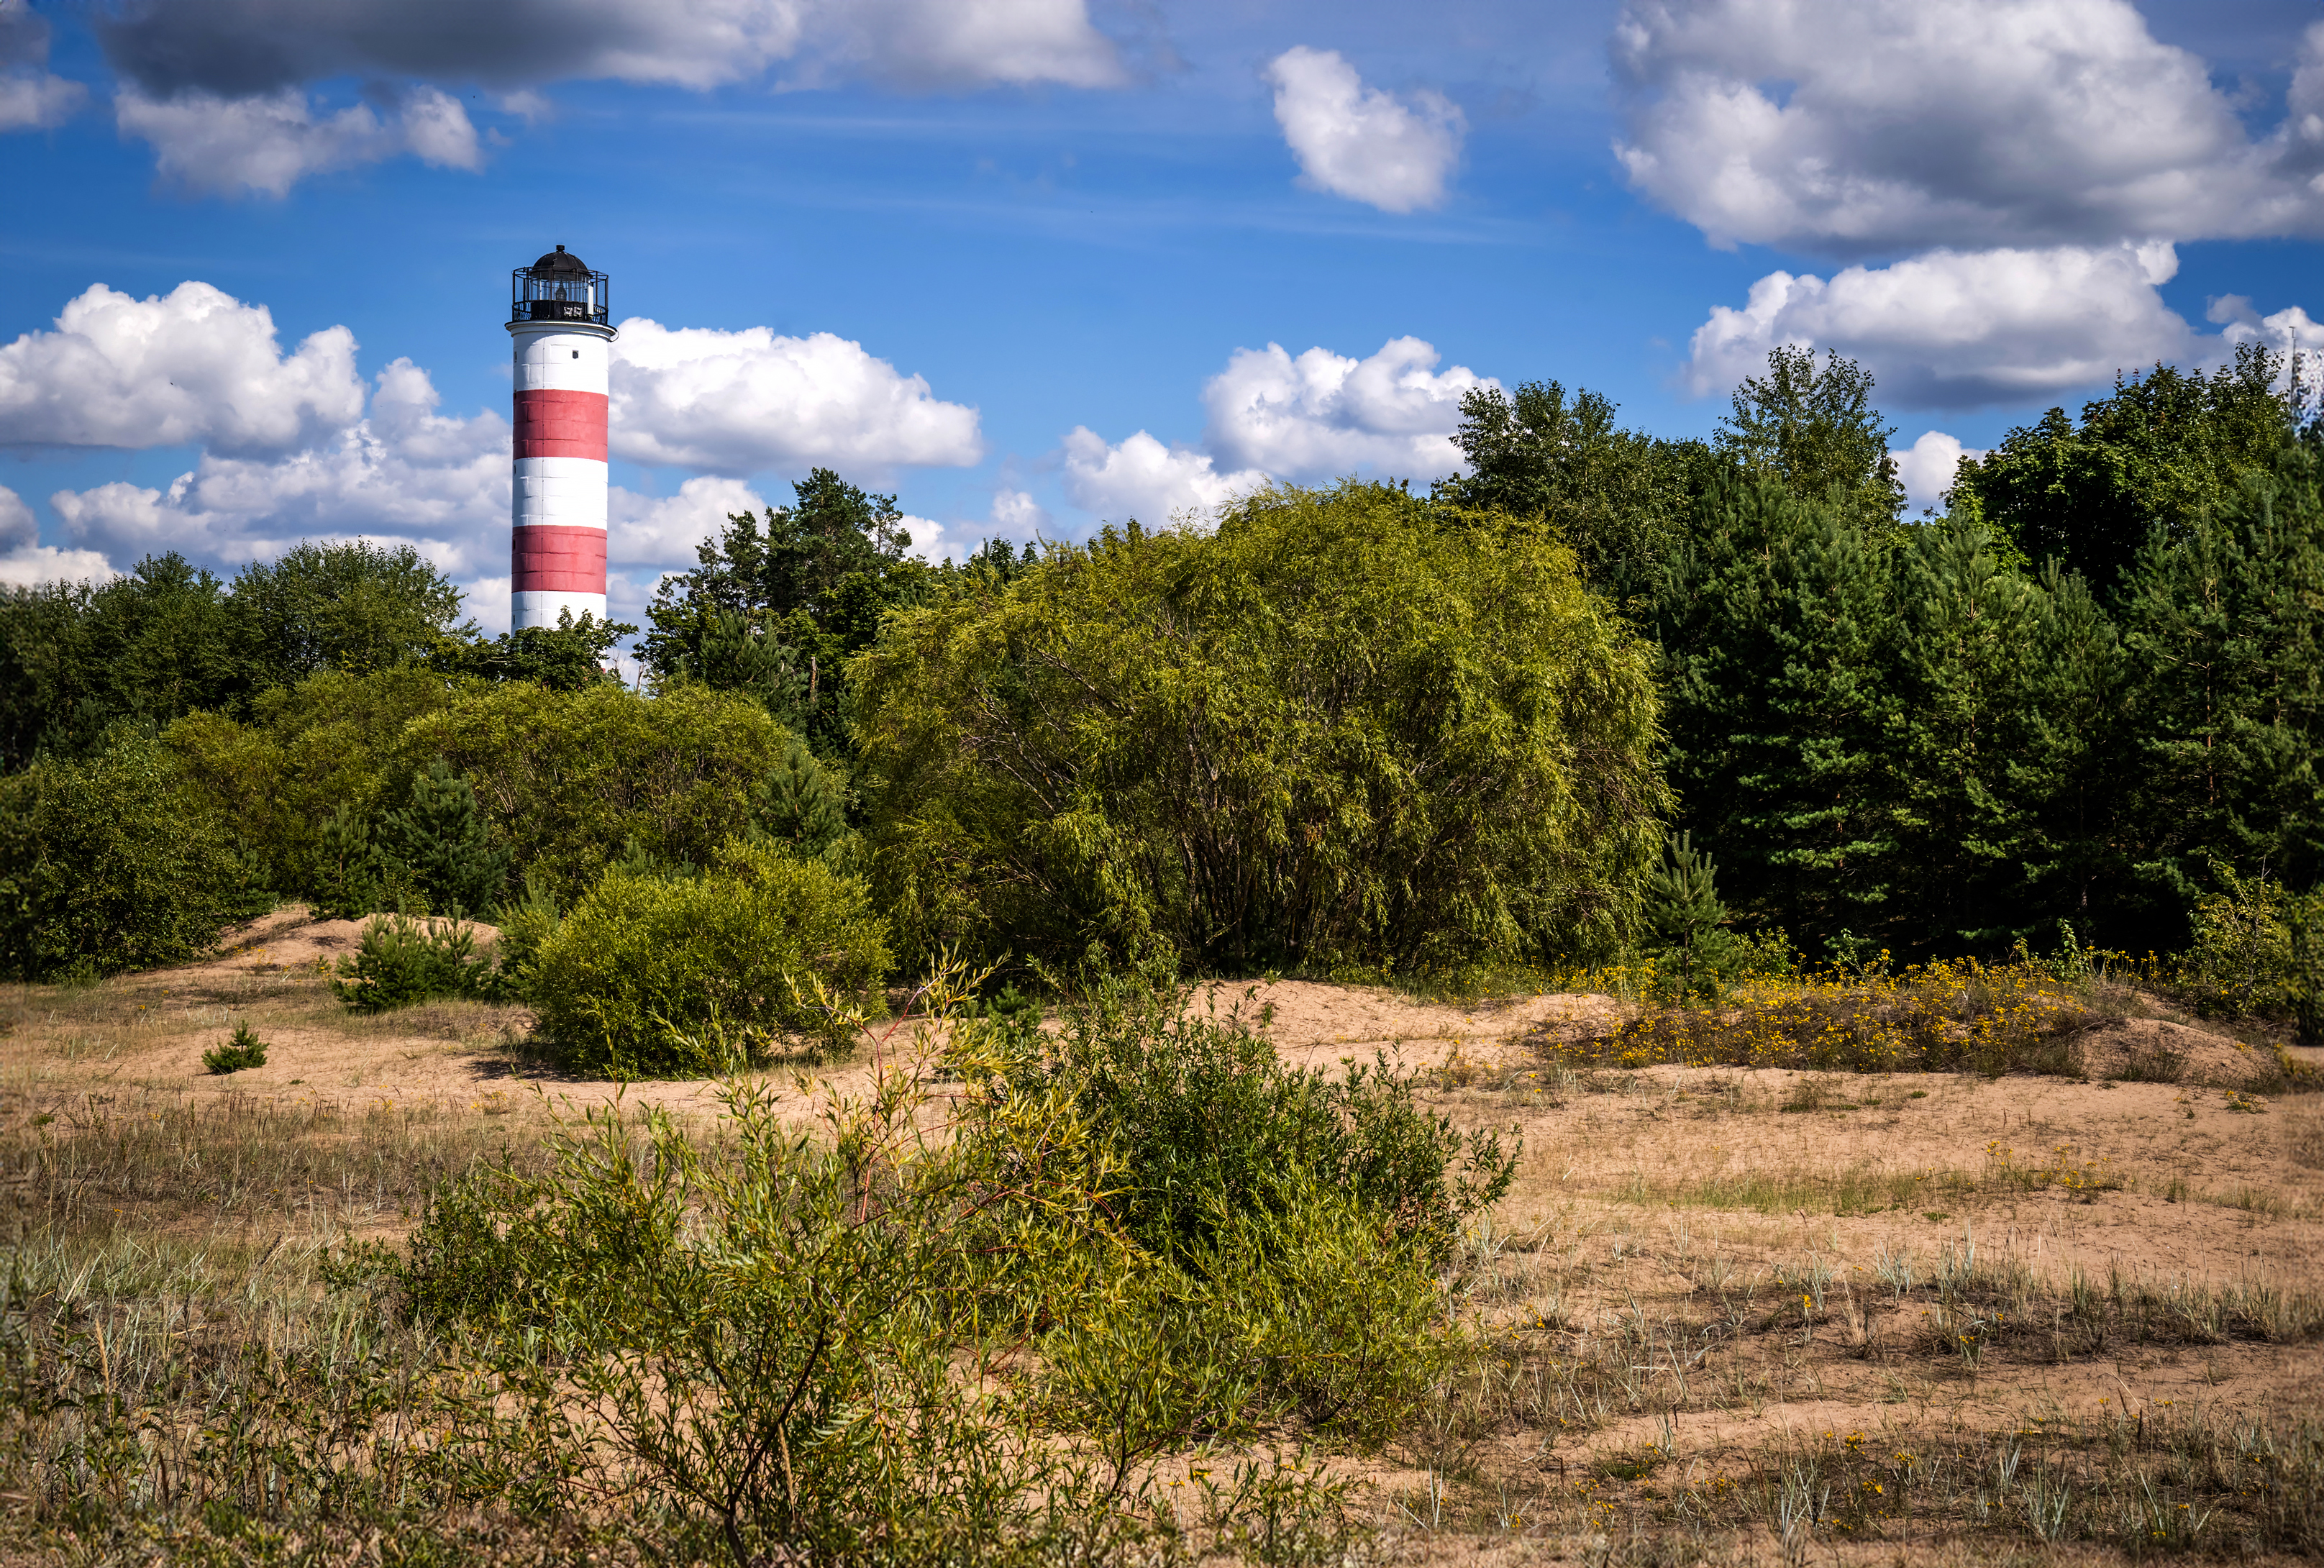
(244, 1050)
(1347, 729)
(795, 1341)
(1312, 1305)
(113, 864)
(401, 961)
(444, 842)
(566, 779)
(1206, 1119)
(652, 975)
(311, 755)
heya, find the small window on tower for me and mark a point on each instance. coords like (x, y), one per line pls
(577, 353)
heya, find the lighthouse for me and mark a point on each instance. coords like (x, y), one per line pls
(556, 509)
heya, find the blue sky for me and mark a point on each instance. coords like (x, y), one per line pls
(1034, 264)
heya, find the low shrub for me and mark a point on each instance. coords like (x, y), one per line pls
(1311, 1307)
(114, 863)
(1206, 1119)
(244, 1050)
(670, 975)
(401, 961)
(808, 1346)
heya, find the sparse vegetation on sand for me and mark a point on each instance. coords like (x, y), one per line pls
(1127, 1286)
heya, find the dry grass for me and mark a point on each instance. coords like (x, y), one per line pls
(1730, 1312)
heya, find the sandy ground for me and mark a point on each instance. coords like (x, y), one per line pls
(1633, 1188)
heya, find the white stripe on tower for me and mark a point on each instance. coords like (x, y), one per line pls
(556, 511)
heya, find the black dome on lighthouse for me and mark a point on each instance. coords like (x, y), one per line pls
(559, 262)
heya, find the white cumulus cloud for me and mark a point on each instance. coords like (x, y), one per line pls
(405, 472)
(738, 403)
(1959, 328)
(193, 364)
(299, 446)
(1359, 141)
(269, 142)
(1927, 468)
(1860, 126)
(662, 530)
(18, 527)
(1322, 413)
(25, 562)
(1016, 513)
(31, 100)
(1141, 478)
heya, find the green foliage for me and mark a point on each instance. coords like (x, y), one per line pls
(797, 1335)
(775, 609)
(313, 765)
(245, 1049)
(113, 864)
(652, 975)
(1347, 729)
(352, 877)
(1620, 498)
(442, 839)
(726, 652)
(1206, 1121)
(773, 1333)
(565, 779)
(2161, 453)
(2303, 980)
(526, 923)
(355, 607)
(1816, 434)
(2223, 631)
(402, 962)
(146, 648)
(801, 802)
(1684, 920)
(1890, 732)
(565, 657)
(1311, 1306)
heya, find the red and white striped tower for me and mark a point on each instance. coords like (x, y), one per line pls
(556, 512)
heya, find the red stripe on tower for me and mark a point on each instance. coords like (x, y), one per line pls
(560, 424)
(558, 559)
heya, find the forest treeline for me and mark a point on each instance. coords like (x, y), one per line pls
(1348, 728)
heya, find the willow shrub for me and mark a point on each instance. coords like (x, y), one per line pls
(1347, 729)
(113, 862)
(810, 1344)
(568, 779)
(652, 975)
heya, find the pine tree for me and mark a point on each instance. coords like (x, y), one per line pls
(443, 839)
(2223, 630)
(1683, 910)
(352, 877)
(1777, 635)
(801, 801)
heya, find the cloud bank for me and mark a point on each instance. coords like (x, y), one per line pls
(221, 90)
(1850, 126)
(299, 446)
(1276, 416)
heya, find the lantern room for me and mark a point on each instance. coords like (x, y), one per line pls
(559, 286)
